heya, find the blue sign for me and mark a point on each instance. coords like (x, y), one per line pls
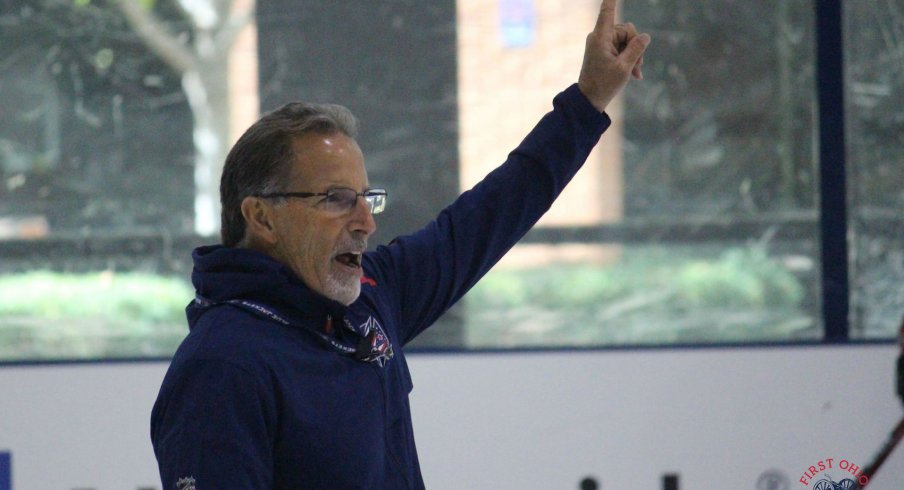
(518, 22)
(6, 471)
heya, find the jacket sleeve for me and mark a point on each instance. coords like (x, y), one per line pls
(434, 267)
(214, 426)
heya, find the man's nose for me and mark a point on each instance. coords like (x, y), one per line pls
(362, 219)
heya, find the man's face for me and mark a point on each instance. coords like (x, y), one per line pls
(324, 246)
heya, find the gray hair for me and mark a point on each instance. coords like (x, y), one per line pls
(261, 160)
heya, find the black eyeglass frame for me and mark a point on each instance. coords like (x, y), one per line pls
(375, 198)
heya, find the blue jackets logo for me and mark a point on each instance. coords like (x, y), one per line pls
(378, 349)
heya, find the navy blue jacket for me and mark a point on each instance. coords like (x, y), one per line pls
(249, 402)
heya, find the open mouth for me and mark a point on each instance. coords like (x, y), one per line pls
(349, 259)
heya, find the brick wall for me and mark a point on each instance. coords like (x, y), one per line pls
(504, 90)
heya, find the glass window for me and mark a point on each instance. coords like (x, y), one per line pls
(694, 221)
(96, 197)
(874, 95)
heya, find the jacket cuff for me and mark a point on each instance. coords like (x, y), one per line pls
(583, 109)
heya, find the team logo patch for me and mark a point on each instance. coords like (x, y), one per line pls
(187, 483)
(375, 346)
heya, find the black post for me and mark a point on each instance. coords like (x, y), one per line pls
(670, 481)
(832, 181)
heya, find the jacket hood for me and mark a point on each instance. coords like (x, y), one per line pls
(223, 273)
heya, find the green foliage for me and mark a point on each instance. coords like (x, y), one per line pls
(741, 277)
(106, 314)
(648, 295)
(559, 286)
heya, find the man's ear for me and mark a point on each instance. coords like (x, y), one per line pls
(259, 220)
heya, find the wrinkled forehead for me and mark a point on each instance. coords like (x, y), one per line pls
(328, 160)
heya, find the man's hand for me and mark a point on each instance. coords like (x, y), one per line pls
(612, 55)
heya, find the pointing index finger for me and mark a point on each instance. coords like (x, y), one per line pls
(606, 20)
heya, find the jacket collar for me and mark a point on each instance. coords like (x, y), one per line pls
(225, 273)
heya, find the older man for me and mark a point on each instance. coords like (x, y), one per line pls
(292, 375)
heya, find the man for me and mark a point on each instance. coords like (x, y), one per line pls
(292, 375)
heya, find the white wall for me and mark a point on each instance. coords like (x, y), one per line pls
(719, 417)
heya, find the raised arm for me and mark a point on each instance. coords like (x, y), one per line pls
(433, 268)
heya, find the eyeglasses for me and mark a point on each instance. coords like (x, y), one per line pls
(340, 199)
